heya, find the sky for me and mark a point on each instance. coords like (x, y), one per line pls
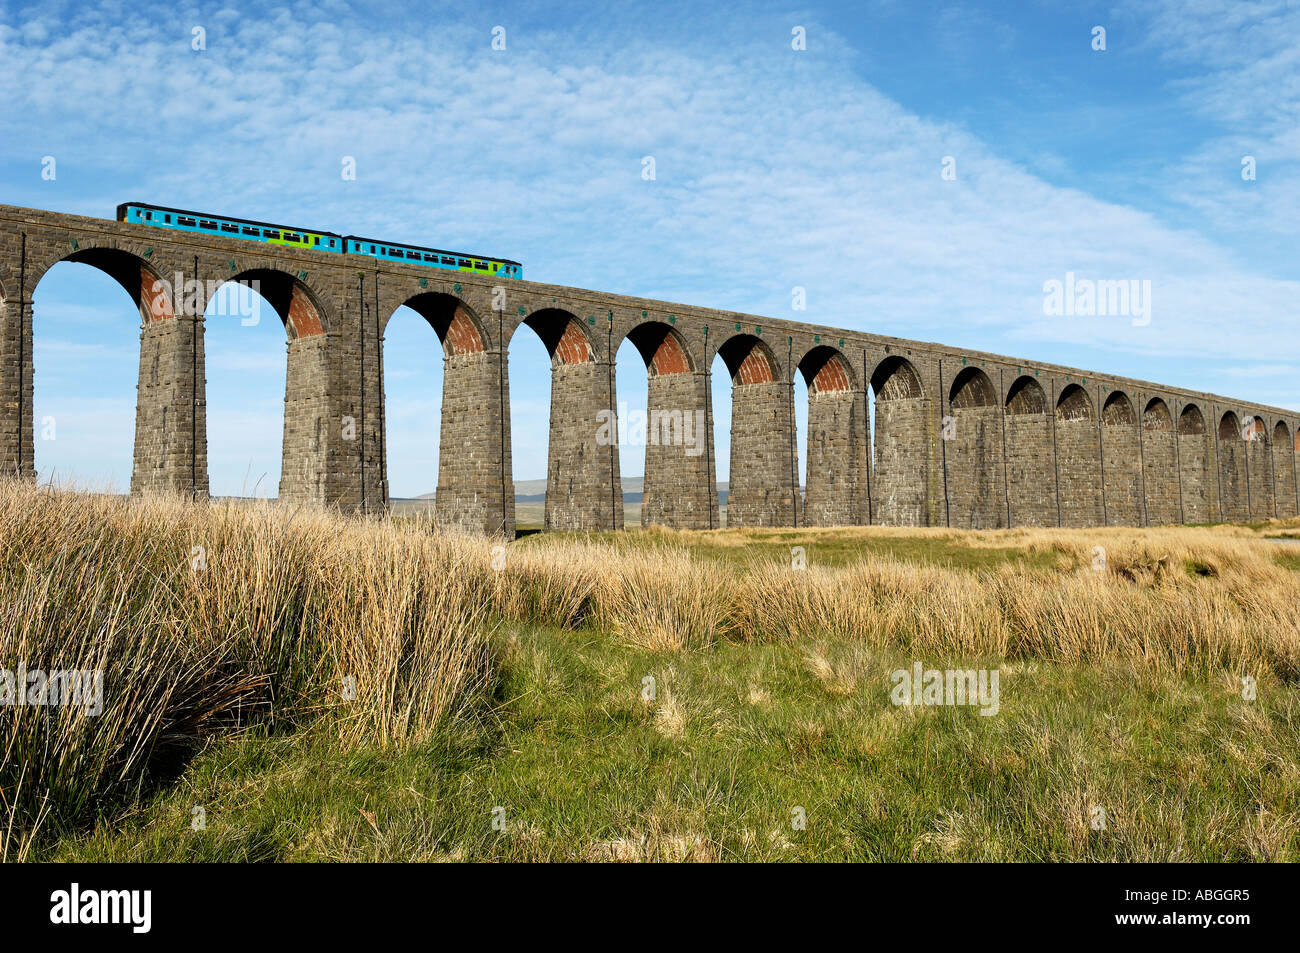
(921, 170)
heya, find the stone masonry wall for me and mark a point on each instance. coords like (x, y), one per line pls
(1031, 475)
(761, 491)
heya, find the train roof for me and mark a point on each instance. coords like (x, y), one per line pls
(439, 251)
(228, 218)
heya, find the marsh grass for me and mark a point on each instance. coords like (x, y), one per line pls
(344, 639)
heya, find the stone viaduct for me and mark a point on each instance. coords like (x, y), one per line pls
(961, 438)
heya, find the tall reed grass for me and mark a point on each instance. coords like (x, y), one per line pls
(208, 617)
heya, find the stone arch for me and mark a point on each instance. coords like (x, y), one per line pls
(295, 303)
(1026, 396)
(827, 371)
(1284, 470)
(1195, 455)
(1117, 411)
(1031, 470)
(1233, 474)
(566, 340)
(309, 419)
(1156, 416)
(749, 360)
(678, 490)
(1159, 463)
(584, 489)
(762, 485)
(973, 458)
(901, 490)
(972, 388)
(459, 329)
(1078, 458)
(1073, 404)
(837, 457)
(168, 454)
(1122, 475)
(472, 490)
(1259, 468)
(662, 347)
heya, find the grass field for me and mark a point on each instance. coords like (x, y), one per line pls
(322, 688)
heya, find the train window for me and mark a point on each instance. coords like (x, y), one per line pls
(149, 215)
(413, 255)
(372, 249)
(167, 219)
(448, 261)
(251, 231)
(207, 223)
(185, 220)
(270, 233)
(230, 228)
(462, 263)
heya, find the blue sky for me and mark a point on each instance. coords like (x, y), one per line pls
(775, 168)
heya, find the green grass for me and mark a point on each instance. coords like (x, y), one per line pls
(585, 769)
(829, 547)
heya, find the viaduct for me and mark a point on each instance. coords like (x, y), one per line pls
(961, 438)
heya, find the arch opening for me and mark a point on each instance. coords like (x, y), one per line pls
(86, 376)
(836, 458)
(583, 487)
(763, 453)
(1156, 416)
(1074, 404)
(668, 427)
(1117, 411)
(972, 388)
(1026, 396)
(1191, 422)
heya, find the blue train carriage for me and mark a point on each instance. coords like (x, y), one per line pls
(159, 216)
(433, 257)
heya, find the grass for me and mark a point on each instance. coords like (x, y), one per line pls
(518, 680)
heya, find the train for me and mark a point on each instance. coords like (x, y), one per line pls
(160, 216)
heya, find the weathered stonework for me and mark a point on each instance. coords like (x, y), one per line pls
(1034, 444)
